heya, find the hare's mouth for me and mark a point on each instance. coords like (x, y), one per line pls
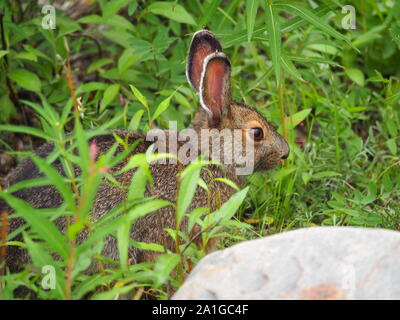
(268, 163)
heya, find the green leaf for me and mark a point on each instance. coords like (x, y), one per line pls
(161, 108)
(26, 56)
(36, 182)
(162, 41)
(145, 208)
(324, 48)
(140, 47)
(325, 174)
(74, 229)
(66, 26)
(251, 13)
(98, 64)
(229, 208)
(283, 172)
(36, 52)
(298, 117)
(139, 160)
(100, 231)
(387, 182)
(138, 185)
(139, 96)
(119, 36)
(394, 98)
(46, 111)
(37, 252)
(313, 59)
(26, 79)
(372, 192)
(123, 243)
(290, 68)
(368, 37)
(306, 177)
(190, 177)
(274, 39)
(92, 19)
(126, 59)
(356, 76)
(91, 86)
(27, 130)
(91, 284)
(135, 121)
(209, 11)
(392, 145)
(8, 109)
(171, 10)
(147, 246)
(109, 94)
(119, 23)
(3, 53)
(113, 293)
(164, 265)
(194, 216)
(228, 182)
(112, 7)
(392, 128)
(132, 8)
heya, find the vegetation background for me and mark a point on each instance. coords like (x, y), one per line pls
(332, 91)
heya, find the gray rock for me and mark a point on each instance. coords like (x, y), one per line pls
(312, 263)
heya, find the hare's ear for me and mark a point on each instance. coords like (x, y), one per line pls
(215, 92)
(203, 43)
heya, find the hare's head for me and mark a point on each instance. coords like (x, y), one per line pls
(208, 72)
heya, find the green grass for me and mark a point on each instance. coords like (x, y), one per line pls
(334, 94)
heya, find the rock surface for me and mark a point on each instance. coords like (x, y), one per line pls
(312, 263)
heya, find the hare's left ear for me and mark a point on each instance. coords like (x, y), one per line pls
(215, 91)
(203, 44)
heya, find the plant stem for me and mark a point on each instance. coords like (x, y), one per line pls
(177, 227)
(281, 87)
(3, 247)
(336, 122)
(69, 270)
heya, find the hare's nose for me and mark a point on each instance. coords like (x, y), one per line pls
(284, 149)
(285, 156)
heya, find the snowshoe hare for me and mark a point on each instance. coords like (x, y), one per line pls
(208, 72)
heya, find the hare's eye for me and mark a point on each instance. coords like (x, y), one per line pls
(257, 133)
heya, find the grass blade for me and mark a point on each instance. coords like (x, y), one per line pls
(274, 38)
(28, 130)
(209, 12)
(289, 67)
(251, 12)
(187, 189)
(234, 38)
(312, 18)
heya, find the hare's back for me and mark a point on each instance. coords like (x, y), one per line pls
(47, 196)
